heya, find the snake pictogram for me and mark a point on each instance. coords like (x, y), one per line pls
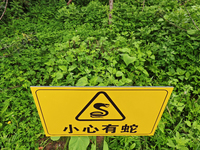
(99, 114)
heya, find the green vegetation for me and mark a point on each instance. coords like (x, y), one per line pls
(47, 43)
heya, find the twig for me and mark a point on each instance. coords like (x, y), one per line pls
(69, 2)
(10, 53)
(14, 87)
(144, 140)
(143, 5)
(11, 88)
(111, 7)
(169, 112)
(173, 23)
(92, 142)
(191, 18)
(5, 47)
(5, 56)
(4, 10)
(181, 98)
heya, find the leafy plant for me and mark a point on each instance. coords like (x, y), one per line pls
(52, 44)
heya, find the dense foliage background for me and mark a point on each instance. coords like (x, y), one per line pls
(47, 43)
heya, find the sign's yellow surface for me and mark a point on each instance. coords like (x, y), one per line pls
(100, 111)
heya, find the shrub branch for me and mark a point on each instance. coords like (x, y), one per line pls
(172, 23)
(169, 112)
(4, 9)
(69, 2)
(111, 7)
(143, 5)
(191, 18)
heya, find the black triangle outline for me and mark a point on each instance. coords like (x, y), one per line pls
(110, 100)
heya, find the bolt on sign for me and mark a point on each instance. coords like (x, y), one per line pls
(100, 111)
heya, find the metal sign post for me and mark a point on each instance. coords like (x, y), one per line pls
(99, 142)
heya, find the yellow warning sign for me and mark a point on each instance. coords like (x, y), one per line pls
(100, 111)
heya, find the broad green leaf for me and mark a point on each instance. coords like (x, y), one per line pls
(79, 142)
(64, 68)
(188, 123)
(105, 145)
(95, 80)
(55, 138)
(8, 114)
(191, 32)
(161, 126)
(110, 69)
(50, 62)
(82, 81)
(93, 147)
(137, 44)
(127, 80)
(49, 69)
(195, 124)
(132, 146)
(5, 106)
(20, 79)
(172, 71)
(160, 20)
(145, 72)
(180, 71)
(198, 127)
(127, 59)
(59, 75)
(125, 50)
(76, 38)
(187, 75)
(170, 143)
(181, 77)
(140, 68)
(181, 141)
(166, 16)
(152, 57)
(120, 83)
(180, 106)
(102, 84)
(93, 144)
(149, 53)
(72, 67)
(182, 147)
(119, 74)
(99, 80)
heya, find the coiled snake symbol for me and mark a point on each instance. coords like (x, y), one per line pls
(99, 114)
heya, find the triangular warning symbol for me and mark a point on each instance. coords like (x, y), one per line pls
(100, 108)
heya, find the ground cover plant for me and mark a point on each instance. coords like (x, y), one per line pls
(47, 43)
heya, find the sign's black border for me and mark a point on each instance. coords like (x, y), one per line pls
(110, 100)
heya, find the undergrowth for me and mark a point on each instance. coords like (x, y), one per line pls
(52, 44)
